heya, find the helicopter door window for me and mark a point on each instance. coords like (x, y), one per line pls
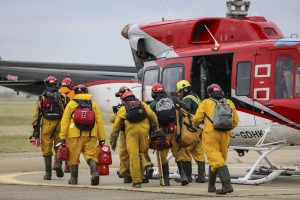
(297, 85)
(150, 77)
(284, 77)
(243, 79)
(171, 75)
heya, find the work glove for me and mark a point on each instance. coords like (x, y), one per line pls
(113, 146)
(63, 142)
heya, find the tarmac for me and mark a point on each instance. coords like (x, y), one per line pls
(27, 169)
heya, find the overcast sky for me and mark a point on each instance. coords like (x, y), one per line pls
(88, 31)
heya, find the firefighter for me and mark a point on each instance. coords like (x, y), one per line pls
(123, 153)
(180, 154)
(81, 138)
(49, 110)
(215, 142)
(136, 116)
(67, 90)
(123, 171)
(192, 100)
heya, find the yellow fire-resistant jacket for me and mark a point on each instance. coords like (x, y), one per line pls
(68, 127)
(67, 91)
(207, 108)
(121, 116)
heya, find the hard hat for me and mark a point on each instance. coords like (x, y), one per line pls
(214, 88)
(80, 89)
(50, 81)
(127, 94)
(157, 88)
(121, 91)
(182, 84)
(67, 82)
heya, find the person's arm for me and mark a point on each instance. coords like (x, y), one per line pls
(151, 115)
(65, 123)
(117, 127)
(200, 114)
(182, 104)
(235, 115)
(100, 124)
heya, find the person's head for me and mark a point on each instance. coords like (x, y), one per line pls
(183, 87)
(67, 82)
(157, 89)
(50, 81)
(127, 96)
(80, 89)
(215, 91)
(121, 91)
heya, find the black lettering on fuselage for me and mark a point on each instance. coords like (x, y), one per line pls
(251, 134)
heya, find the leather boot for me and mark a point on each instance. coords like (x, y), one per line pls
(58, 168)
(48, 169)
(127, 178)
(74, 175)
(183, 178)
(149, 171)
(188, 169)
(212, 180)
(165, 170)
(225, 178)
(94, 170)
(201, 172)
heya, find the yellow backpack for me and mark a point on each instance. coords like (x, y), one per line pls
(186, 134)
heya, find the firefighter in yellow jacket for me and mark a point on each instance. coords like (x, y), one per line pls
(49, 110)
(192, 101)
(66, 89)
(82, 138)
(136, 116)
(215, 142)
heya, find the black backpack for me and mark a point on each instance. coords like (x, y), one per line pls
(52, 106)
(165, 111)
(135, 111)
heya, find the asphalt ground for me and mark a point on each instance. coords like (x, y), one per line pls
(23, 173)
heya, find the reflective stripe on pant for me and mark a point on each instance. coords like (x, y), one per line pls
(179, 153)
(215, 145)
(123, 155)
(137, 143)
(86, 145)
(49, 128)
(196, 151)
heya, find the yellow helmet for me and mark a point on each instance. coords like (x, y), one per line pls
(182, 84)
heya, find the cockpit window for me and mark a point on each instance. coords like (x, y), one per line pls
(284, 77)
(150, 77)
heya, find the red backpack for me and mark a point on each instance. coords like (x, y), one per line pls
(84, 116)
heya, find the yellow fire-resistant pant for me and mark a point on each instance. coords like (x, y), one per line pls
(49, 136)
(196, 151)
(215, 145)
(85, 144)
(179, 153)
(123, 155)
(137, 144)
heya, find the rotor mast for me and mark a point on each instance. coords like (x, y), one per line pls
(237, 8)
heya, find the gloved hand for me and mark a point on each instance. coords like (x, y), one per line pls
(101, 142)
(63, 142)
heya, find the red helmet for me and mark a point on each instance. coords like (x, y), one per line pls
(50, 81)
(67, 82)
(158, 87)
(121, 91)
(80, 89)
(214, 88)
(127, 94)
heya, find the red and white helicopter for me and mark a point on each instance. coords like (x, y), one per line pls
(257, 67)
